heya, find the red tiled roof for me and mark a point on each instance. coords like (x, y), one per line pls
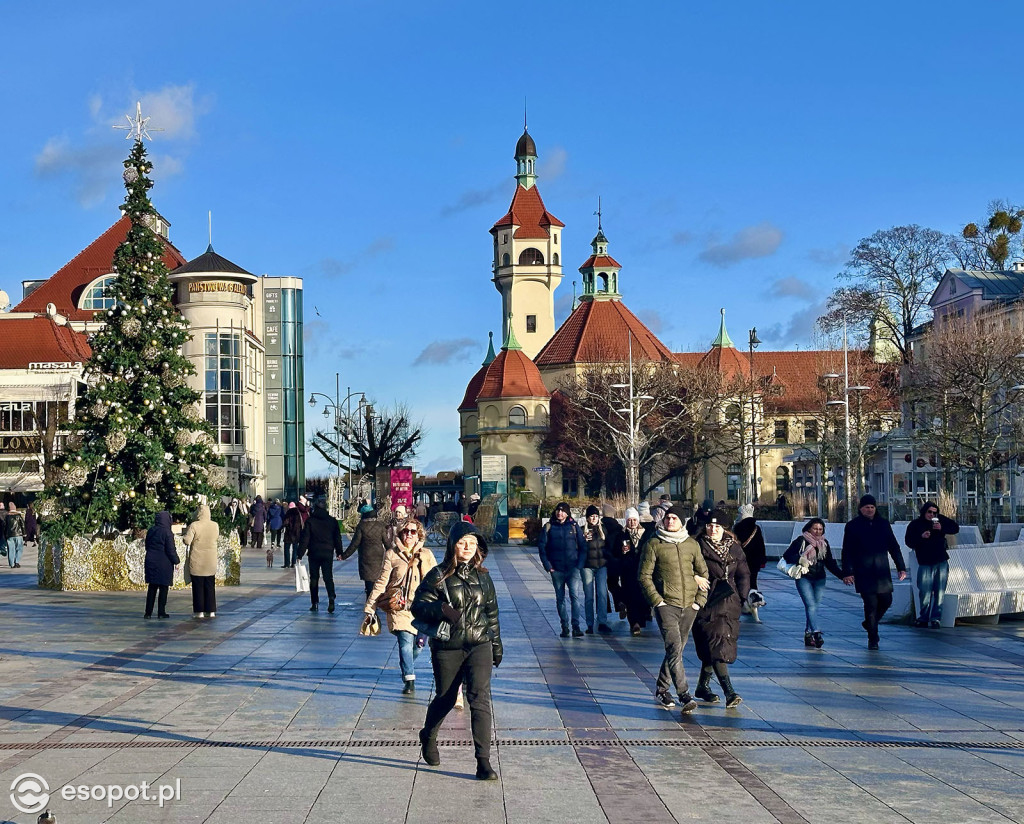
(39, 340)
(596, 332)
(512, 375)
(792, 379)
(597, 261)
(528, 213)
(64, 288)
(475, 383)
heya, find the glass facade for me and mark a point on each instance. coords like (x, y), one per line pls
(285, 390)
(223, 385)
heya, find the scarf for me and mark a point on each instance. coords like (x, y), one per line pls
(635, 535)
(720, 548)
(816, 547)
(676, 537)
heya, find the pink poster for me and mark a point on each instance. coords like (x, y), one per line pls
(401, 487)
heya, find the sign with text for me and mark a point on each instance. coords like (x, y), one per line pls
(401, 487)
(200, 286)
(13, 444)
(494, 468)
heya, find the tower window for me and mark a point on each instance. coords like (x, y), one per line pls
(554, 258)
(556, 238)
(506, 259)
(531, 256)
(531, 323)
(517, 416)
(504, 238)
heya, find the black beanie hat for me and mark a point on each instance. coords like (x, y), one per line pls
(866, 500)
(719, 517)
(593, 510)
(678, 512)
(564, 506)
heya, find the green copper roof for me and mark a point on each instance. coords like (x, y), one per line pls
(490, 349)
(723, 340)
(510, 341)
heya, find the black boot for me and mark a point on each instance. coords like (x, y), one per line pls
(409, 688)
(704, 691)
(330, 605)
(314, 606)
(428, 748)
(484, 771)
(732, 698)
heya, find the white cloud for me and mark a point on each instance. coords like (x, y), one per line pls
(552, 164)
(757, 241)
(445, 351)
(444, 464)
(792, 287)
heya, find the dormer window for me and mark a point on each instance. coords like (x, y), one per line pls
(96, 296)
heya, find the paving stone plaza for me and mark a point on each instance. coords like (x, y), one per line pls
(270, 714)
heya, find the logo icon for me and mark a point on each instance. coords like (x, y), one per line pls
(30, 793)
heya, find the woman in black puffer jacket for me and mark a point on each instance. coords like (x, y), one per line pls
(717, 628)
(471, 607)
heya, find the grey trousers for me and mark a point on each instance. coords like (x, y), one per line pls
(675, 624)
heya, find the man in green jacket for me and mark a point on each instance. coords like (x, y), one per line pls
(674, 578)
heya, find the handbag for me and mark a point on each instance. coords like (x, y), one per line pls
(719, 592)
(396, 598)
(370, 626)
(301, 577)
(186, 573)
(441, 631)
(794, 571)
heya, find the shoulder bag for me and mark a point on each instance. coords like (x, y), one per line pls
(442, 630)
(794, 571)
(395, 597)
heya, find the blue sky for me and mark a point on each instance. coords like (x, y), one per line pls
(740, 149)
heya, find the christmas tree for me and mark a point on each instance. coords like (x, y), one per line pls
(139, 443)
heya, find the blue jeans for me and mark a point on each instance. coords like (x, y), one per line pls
(931, 584)
(595, 594)
(15, 545)
(408, 650)
(811, 592)
(575, 583)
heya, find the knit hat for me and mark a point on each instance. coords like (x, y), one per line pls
(676, 510)
(866, 500)
(608, 511)
(593, 510)
(564, 507)
(632, 513)
(645, 512)
(719, 517)
(291, 504)
(746, 511)
(365, 509)
(474, 497)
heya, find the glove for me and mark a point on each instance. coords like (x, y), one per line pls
(497, 660)
(451, 614)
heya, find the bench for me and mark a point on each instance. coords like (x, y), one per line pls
(985, 582)
(1006, 533)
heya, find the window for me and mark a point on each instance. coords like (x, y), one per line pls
(517, 478)
(570, 484)
(96, 297)
(732, 481)
(732, 413)
(531, 257)
(223, 385)
(810, 431)
(556, 238)
(781, 431)
(782, 479)
(602, 282)
(531, 323)
(506, 259)
(554, 258)
(517, 416)
(504, 238)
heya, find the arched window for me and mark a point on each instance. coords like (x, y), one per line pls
(554, 258)
(506, 259)
(95, 296)
(603, 282)
(517, 477)
(732, 413)
(517, 416)
(531, 257)
(732, 481)
(782, 479)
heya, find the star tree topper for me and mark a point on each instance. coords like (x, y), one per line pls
(137, 128)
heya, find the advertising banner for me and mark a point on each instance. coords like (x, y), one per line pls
(401, 487)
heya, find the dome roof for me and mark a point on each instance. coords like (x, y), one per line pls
(210, 263)
(512, 375)
(475, 383)
(526, 146)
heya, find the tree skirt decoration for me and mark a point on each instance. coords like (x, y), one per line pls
(116, 564)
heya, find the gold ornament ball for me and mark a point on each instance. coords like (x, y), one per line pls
(67, 466)
(131, 493)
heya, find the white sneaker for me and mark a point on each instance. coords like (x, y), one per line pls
(198, 615)
(211, 615)
(459, 701)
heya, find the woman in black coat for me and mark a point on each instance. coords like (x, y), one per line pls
(471, 607)
(624, 547)
(161, 558)
(292, 533)
(751, 539)
(717, 628)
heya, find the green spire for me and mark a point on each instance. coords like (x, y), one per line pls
(490, 349)
(723, 340)
(511, 343)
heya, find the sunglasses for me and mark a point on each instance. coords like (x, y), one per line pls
(410, 532)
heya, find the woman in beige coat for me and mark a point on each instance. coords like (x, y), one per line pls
(201, 540)
(405, 565)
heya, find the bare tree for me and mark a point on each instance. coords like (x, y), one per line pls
(963, 393)
(374, 440)
(891, 276)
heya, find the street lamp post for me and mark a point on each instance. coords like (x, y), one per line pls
(336, 405)
(754, 485)
(845, 403)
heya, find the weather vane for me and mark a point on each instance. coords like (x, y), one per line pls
(137, 128)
